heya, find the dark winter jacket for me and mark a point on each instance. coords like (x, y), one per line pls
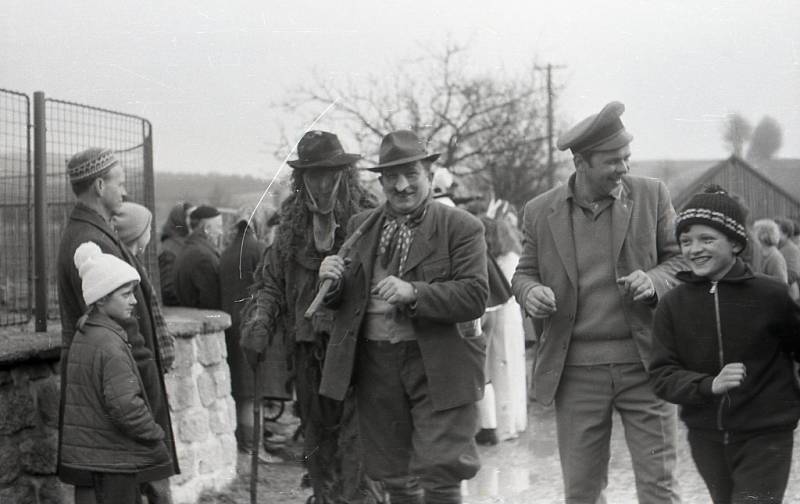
(197, 274)
(701, 326)
(108, 425)
(170, 249)
(237, 264)
(85, 224)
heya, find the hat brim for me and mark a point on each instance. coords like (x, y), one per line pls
(336, 161)
(406, 160)
(619, 140)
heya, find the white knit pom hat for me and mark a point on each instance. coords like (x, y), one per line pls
(101, 274)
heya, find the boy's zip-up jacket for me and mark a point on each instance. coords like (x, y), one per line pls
(700, 326)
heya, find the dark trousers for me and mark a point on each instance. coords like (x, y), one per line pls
(330, 431)
(113, 488)
(745, 469)
(420, 454)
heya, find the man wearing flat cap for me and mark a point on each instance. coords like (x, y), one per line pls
(98, 181)
(598, 253)
(280, 341)
(417, 271)
(197, 265)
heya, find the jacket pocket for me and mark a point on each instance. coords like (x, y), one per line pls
(438, 269)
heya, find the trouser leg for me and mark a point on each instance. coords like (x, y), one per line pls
(157, 492)
(650, 432)
(320, 423)
(116, 489)
(760, 467)
(404, 438)
(708, 453)
(583, 406)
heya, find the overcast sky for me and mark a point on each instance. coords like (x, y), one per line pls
(206, 72)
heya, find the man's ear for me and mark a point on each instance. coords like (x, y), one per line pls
(98, 186)
(580, 162)
(737, 248)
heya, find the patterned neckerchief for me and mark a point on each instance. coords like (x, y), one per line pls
(396, 236)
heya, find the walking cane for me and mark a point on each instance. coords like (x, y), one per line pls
(258, 426)
(343, 251)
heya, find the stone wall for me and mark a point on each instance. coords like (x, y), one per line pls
(198, 389)
(203, 411)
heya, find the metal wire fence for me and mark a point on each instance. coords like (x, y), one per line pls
(73, 127)
(16, 209)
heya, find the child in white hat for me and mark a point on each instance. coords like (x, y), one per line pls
(108, 426)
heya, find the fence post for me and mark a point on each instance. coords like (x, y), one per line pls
(40, 210)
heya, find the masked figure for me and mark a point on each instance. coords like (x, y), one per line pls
(326, 193)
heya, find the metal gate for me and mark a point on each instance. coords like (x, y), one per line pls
(16, 209)
(73, 127)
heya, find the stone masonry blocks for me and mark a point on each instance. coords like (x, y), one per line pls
(209, 348)
(206, 388)
(193, 426)
(16, 410)
(181, 391)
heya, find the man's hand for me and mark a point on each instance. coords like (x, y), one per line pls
(395, 291)
(540, 302)
(731, 376)
(332, 268)
(638, 285)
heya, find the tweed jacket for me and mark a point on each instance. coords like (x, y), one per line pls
(85, 224)
(642, 237)
(197, 274)
(108, 424)
(447, 265)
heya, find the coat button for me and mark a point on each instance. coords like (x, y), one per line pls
(358, 311)
(572, 316)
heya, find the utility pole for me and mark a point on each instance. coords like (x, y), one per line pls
(551, 167)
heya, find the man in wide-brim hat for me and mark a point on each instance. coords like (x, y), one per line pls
(326, 192)
(416, 272)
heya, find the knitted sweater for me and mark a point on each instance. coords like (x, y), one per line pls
(701, 325)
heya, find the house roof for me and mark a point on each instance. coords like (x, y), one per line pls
(686, 177)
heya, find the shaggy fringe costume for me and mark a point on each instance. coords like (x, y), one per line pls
(294, 348)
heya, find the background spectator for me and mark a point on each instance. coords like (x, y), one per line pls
(768, 260)
(173, 236)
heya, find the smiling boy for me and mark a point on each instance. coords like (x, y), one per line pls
(723, 351)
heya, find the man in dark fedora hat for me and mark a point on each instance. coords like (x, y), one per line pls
(598, 253)
(417, 271)
(326, 193)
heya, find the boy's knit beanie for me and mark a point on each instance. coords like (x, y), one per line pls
(716, 209)
(131, 221)
(101, 274)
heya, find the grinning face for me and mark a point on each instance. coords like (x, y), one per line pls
(406, 186)
(709, 252)
(601, 172)
(119, 304)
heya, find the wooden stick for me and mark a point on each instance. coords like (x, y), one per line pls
(325, 286)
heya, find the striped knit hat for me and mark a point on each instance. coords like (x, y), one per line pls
(714, 208)
(90, 163)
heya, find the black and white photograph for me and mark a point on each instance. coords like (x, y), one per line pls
(399, 252)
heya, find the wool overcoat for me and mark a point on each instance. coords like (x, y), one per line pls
(446, 263)
(197, 274)
(642, 237)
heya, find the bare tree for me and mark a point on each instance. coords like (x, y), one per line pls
(489, 128)
(736, 132)
(766, 139)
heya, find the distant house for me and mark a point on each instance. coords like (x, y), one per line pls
(770, 189)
